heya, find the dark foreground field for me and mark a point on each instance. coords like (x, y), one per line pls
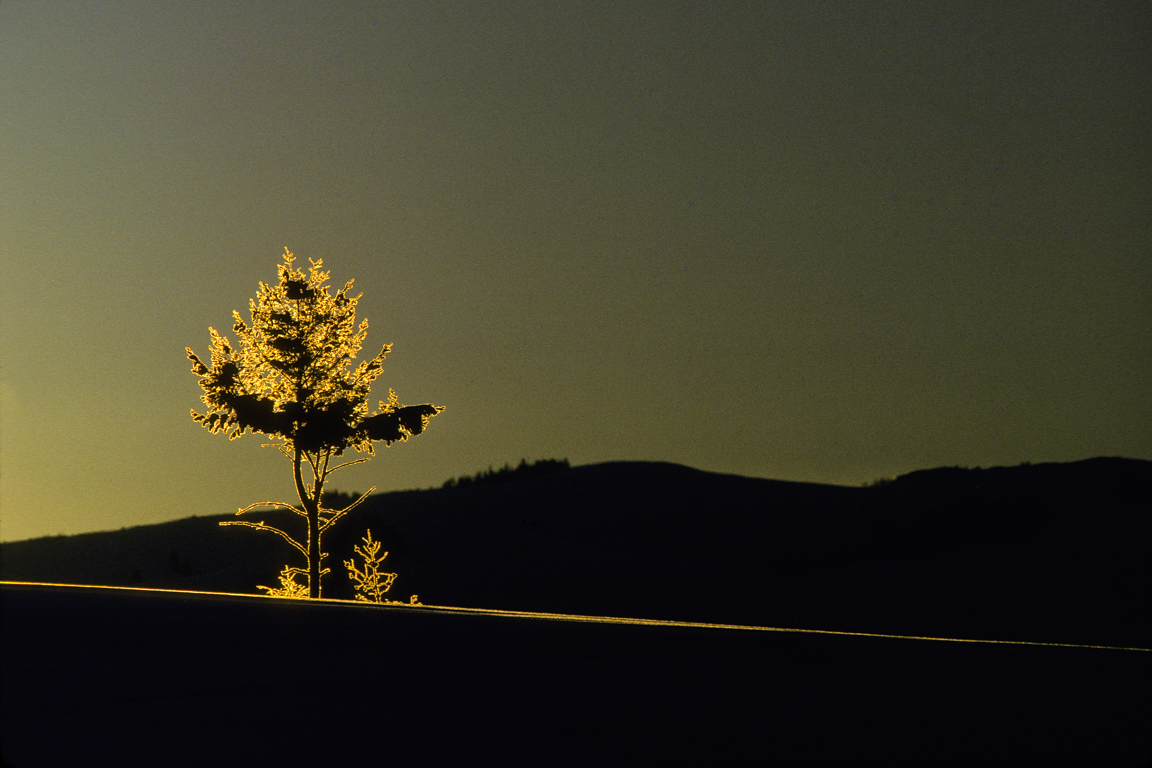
(116, 677)
(1046, 552)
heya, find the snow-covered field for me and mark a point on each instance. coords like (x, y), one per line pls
(120, 677)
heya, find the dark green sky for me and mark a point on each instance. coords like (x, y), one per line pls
(788, 239)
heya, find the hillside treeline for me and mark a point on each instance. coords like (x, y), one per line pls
(522, 470)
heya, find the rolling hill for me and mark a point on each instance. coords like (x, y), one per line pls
(1047, 552)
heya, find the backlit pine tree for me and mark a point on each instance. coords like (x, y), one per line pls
(290, 379)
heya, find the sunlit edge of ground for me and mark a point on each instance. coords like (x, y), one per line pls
(566, 616)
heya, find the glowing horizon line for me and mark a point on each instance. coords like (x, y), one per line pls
(574, 617)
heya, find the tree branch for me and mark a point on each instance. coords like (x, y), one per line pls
(279, 504)
(323, 477)
(314, 465)
(348, 464)
(261, 527)
(341, 512)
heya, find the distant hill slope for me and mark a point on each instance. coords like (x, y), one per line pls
(1050, 552)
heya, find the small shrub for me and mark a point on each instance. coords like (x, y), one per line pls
(289, 587)
(371, 584)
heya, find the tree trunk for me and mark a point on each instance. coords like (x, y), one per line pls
(312, 507)
(314, 551)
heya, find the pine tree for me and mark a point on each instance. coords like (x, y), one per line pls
(289, 379)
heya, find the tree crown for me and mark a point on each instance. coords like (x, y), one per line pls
(290, 379)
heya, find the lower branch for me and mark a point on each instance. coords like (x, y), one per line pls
(261, 527)
(277, 504)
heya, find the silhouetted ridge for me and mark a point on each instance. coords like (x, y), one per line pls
(1049, 552)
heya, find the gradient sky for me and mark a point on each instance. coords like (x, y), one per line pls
(793, 240)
